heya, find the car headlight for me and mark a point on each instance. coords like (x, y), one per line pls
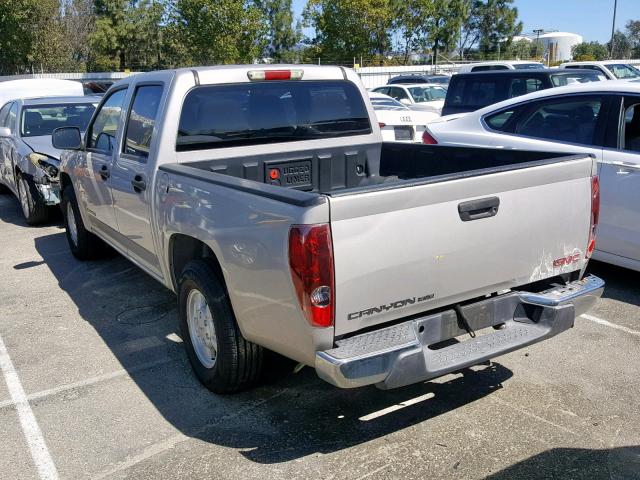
(44, 162)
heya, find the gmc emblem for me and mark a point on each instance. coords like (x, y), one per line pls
(560, 262)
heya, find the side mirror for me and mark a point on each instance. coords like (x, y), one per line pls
(5, 132)
(405, 101)
(67, 138)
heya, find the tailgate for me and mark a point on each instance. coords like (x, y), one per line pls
(406, 250)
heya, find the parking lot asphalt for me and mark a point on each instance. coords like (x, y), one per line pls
(107, 392)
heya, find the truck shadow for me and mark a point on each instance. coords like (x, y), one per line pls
(621, 463)
(289, 417)
(617, 281)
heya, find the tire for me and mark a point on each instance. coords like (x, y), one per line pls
(84, 245)
(33, 207)
(4, 190)
(231, 363)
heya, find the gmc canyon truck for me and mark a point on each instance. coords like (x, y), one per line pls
(265, 199)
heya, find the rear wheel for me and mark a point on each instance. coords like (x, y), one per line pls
(83, 244)
(222, 359)
(33, 207)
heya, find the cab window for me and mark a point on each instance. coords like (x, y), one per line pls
(102, 136)
(141, 121)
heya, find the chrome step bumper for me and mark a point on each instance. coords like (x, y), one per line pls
(400, 355)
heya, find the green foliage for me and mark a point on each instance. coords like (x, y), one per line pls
(489, 23)
(410, 25)
(282, 36)
(622, 46)
(632, 29)
(221, 31)
(349, 28)
(519, 50)
(589, 51)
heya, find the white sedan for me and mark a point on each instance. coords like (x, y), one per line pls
(397, 122)
(601, 118)
(424, 97)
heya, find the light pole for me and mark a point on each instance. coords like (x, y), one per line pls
(538, 32)
(613, 27)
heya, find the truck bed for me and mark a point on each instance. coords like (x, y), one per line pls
(338, 171)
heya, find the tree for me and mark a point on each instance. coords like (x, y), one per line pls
(589, 51)
(488, 23)
(622, 45)
(519, 50)
(349, 28)
(78, 21)
(15, 40)
(220, 31)
(282, 35)
(444, 26)
(410, 26)
(633, 33)
(111, 34)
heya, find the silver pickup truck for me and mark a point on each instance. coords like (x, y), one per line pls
(264, 197)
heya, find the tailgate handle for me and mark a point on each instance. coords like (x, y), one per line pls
(477, 209)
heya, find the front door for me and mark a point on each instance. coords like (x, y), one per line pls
(102, 138)
(619, 228)
(132, 174)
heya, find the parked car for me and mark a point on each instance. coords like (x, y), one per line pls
(442, 80)
(611, 69)
(426, 97)
(38, 87)
(471, 91)
(398, 123)
(601, 119)
(266, 199)
(29, 165)
(500, 65)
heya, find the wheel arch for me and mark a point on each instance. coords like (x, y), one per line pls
(185, 248)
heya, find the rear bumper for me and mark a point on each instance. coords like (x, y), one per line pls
(400, 355)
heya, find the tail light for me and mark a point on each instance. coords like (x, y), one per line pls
(595, 214)
(311, 263)
(428, 139)
(382, 124)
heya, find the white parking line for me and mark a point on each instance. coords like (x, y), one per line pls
(609, 324)
(37, 446)
(90, 381)
(398, 406)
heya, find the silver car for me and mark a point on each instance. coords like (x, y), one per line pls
(29, 164)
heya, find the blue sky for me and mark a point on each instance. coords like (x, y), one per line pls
(589, 18)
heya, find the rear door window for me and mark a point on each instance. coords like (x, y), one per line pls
(219, 116)
(524, 85)
(141, 121)
(571, 120)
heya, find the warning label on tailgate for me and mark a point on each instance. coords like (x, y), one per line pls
(290, 174)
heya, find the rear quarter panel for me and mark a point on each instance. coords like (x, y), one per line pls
(249, 236)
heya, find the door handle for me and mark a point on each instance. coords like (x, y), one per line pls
(477, 209)
(138, 183)
(104, 172)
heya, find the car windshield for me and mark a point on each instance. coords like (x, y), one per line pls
(427, 94)
(387, 104)
(562, 79)
(269, 112)
(622, 71)
(40, 120)
(528, 66)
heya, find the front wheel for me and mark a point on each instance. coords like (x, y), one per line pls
(33, 207)
(222, 359)
(83, 244)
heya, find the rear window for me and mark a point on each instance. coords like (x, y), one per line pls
(622, 71)
(476, 93)
(269, 112)
(528, 66)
